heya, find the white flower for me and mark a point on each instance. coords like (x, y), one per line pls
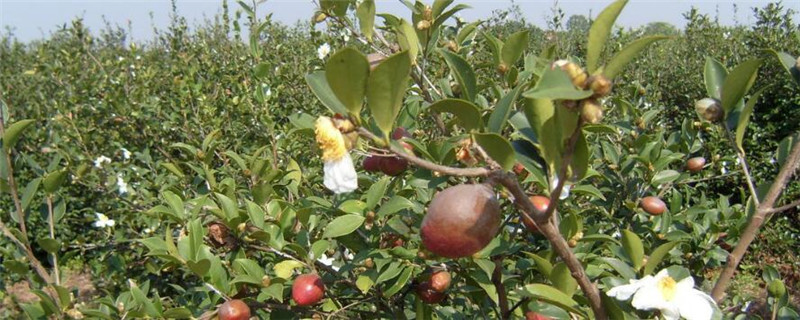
(125, 154)
(147, 230)
(564, 191)
(323, 50)
(121, 185)
(340, 174)
(100, 161)
(103, 221)
(673, 299)
(328, 261)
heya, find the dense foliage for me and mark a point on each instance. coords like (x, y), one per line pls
(200, 146)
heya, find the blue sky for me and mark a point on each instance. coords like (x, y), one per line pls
(33, 19)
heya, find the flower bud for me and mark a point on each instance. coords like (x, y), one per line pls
(423, 25)
(600, 85)
(502, 68)
(427, 14)
(265, 281)
(319, 17)
(709, 109)
(452, 46)
(591, 111)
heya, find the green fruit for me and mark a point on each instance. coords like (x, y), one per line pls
(776, 288)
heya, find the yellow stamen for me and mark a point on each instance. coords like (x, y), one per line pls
(330, 140)
(668, 287)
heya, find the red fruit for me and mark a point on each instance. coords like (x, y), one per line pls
(519, 168)
(461, 220)
(540, 203)
(234, 310)
(530, 315)
(393, 166)
(695, 164)
(653, 205)
(307, 289)
(428, 295)
(440, 281)
(373, 163)
(400, 133)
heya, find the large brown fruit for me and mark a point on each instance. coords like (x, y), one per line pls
(653, 205)
(373, 163)
(307, 289)
(234, 310)
(461, 220)
(440, 281)
(393, 166)
(695, 164)
(540, 203)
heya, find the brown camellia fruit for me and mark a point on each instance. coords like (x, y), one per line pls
(695, 164)
(540, 203)
(532, 315)
(373, 163)
(393, 166)
(440, 280)
(461, 220)
(653, 205)
(234, 310)
(428, 295)
(307, 289)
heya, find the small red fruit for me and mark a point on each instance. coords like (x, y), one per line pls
(440, 281)
(400, 133)
(653, 205)
(531, 315)
(540, 203)
(428, 295)
(393, 166)
(307, 289)
(234, 310)
(695, 164)
(373, 163)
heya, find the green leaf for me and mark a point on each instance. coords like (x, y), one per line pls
(175, 203)
(789, 63)
(261, 70)
(54, 180)
(346, 72)
(49, 244)
(343, 225)
(141, 299)
(248, 267)
(738, 82)
(13, 133)
(714, 75)
(172, 168)
(627, 54)
(785, 147)
(29, 192)
(580, 158)
(665, 176)
(228, 206)
(541, 115)
(544, 265)
(463, 73)
(364, 282)
(497, 147)
(366, 18)
(319, 86)
(513, 47)
(376, 192)
(319, 247)
(502, 110)
(555, 84)
(196, 233)
(562, 278)
(385, 89)
(285, 268)
(621, 267)
(588, 189)
(550, 295)
(177, 313)
(633, 247)
(599, 32)
(401, 282)
(657, 256)
(467, 113)
(744, 117)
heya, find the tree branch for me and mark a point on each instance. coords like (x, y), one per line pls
(784, 208)
(752, 228)
(497, 280)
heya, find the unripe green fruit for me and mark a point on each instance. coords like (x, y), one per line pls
(776, 288)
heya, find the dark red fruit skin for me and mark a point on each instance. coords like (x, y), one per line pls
(393, 166)
(530, 315)
(540, 203)
(695, 164)
(234, 310)
(461, 220)
(400, 133)
(373, 163)
(428, 295)
(307, 289)
(653, 205)
(440, 281)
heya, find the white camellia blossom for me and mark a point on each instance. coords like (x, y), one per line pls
(103, 221)
(673, 299)
(126, 154)
(101, 160)
(340, 174)
(122, 186)
(323, 50)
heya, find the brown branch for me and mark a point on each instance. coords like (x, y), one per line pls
(750, 232)
(497, 280)
(784, 208)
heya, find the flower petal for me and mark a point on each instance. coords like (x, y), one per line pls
(340, 175)
(624, 292)
(649, 297)
(694, 304)
(670, 312)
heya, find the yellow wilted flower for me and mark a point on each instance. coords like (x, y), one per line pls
(340, 174)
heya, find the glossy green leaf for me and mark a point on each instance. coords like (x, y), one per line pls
(714, 74)
(175, 203)
(541, 116)
(627, 54)
(53, 181)
(744, 117)
(408, 40)
(657, 256)
(385, 90)
(14, 132)
(177, 313)
(598, 33)
(621, 267)
(514, 47)
(562, 279)
(148, 306)
(376, 193)
(738, 82)
(366, 18)
(29, 192)
(261, 70)
(284, 269)
(401, 282)
(544, 265)
(343, 225)
(468, 114)
(633, 248)
(502, 110)
(172, 168)
(196, 233)
(785, 147)
(319, 86)
(346, 72)
(364, 283)
(555, 84)
(550, 295)
(228, 206)
(49, 244)
(789, 63)
(665, 176)
(497, 147)
(580, 157)
(463, 73)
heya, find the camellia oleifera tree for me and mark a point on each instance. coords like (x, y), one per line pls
(456, 174)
